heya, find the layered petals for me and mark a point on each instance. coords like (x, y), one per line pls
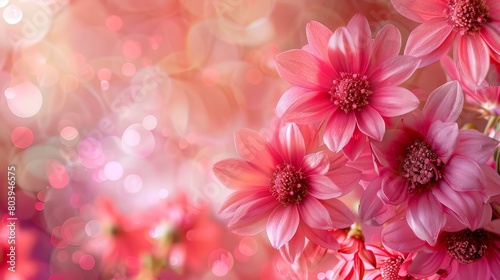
(444, 103)
(339, 130)
(428, 37)
(425, 217)
(472, 57)
(304, 106)
(282, 225)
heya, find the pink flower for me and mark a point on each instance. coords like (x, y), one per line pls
(349, 80)
(459, 253)
(429, 167)
(287, 186)
(471, 26)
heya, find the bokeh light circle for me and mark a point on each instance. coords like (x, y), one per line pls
(22, 137)
(138, 141)
(12, 14)
(113, 170)
(24, 100)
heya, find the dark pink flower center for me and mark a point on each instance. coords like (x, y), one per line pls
(350, 91)
(288, 185)
(421, 166)
(467, 16)
(466, 246)
(389, 270)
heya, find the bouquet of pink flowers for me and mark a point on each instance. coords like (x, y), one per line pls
(419, 172)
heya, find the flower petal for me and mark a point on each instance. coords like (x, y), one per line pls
(343, 52)
(386, 45)
(346, 178)
(444, 103)
(393, 101)
(479, 269)
(321, 187)
(304, 106)
(282, 225)
(393, 71)
(394, 189)
(464, 174)
(442, 138)
(420, 11)
(341, 215)
(255, 149)
(303, 69)
(426, 263)
(428, 37)
(239, 174)
(399, 236)
(475, 145)
(314, 214)
(292, 250)
(371, 123)
(322, 238)
(425, 217)
(354, 148)
(252, 217)
(339, 130)
(467, 207)
(491, 35)
(316, 163)
(372, 210)
(361, 33)
(318, 36)
(472, 57)
(292, 144)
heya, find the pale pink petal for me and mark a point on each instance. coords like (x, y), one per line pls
(316, 163)
(394, 190)
(252, 217)
(444, 103)
(393, 71)
(399, 236)
(393, 101)
(361, 33)
(254, 148)
(346, 178)
(425, 216)
(282, 225)
(322, 238)
(479, 269)
(304, 106)
(492, 180)
(387, 44)
(341, 215)
(339, 130)
(372, 210)
(472, 57)
(450, 68)
(475, 145)
(443, 137)
(292, 143)
(314, 214)
(239, 199)
(371, 123)
(420, 11)
(292, 250)
(239, 174)
(438, 53)
(494, 264)
(464, 174)
(321, 187)
(354, 148)
(428, 37)
(465, 206)
(491, 35)
(426, 263)
(303, 69)
(318, 36)
(343, 53)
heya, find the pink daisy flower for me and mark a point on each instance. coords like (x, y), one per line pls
(349, 80)
(429, 167)
(460, 253)
(471, 26)
(287, 186)
(391, 264)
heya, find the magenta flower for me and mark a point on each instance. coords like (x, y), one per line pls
(431, 168)
(287, 186)
(471, 26)
(349, 80)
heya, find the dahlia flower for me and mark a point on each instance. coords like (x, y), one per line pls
(430, 168)
(288, 186)
(349, 80)
(471, 26)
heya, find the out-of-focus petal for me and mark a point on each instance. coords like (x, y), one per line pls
(442, 137)
(425, 216)
(318, 36)
(444, 103)
(492, 180)
(322, 238)
(253, 148)
(428, 37)
(393, 71)
(372, 210)
(472, 57)
(339, 130)
(238, 174)
(393, 101)
(292, 250)
(314, 214)
(346, 178)
(476, 270)
(303, 69)
(420, 11)
(371, 123)
(465, 206)
(304, 106)
(475, 145)
(494, 7)
(321, 187)
(342, 216)
(282, 225)
(387, 44)
(399, 236)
